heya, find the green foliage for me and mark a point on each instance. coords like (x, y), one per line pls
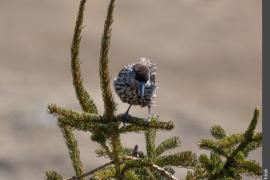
(131, 175)
(138, 124)
(84, 98)
(52, 175)
(74, 152)
(109, 104)
(228, 153)
(150, 137)
(183, 159)
(168, 144)
(74, 119)
(218, 132)
(106, 173)
(143, 165)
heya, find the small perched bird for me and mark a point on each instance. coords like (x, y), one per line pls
(136, 85)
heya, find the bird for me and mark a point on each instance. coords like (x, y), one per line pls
(135, 84)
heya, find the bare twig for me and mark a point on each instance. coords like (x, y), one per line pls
(151, 166)
(90, 172)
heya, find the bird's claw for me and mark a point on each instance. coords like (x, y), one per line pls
(146, 120)
(124, 119)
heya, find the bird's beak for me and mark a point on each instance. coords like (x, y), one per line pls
(141, 89)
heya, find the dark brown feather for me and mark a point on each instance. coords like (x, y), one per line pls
(141, 72)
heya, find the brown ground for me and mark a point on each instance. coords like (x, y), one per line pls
(208, 53)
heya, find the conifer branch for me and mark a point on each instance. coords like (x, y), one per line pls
(78, 125)
(129, 163)
(163, 172)
(218, 132)
(74, 152)
(75, 115)
(117, 150)
(212, 146)
(139, 124)
(248, 137)
(230, 140)
(52, 175)
(150, 137)
(256, 143)
(137, 128)
(257, 137)
(84, 98)
(109, 172)
(138, 163)
(185, 159)
(91, 172)
(168, 144)
(169, 169)
(205, 161)
(210, 165)
(107, 150)
(109, 104)
(105, 171)
(131, 175)
(86, 102)
(77, 120)
(199, 173)
(102, 152)
(221, 146)
(236, 147)
(251, 167)
(231, 160)
(71, 142)
(150, 173)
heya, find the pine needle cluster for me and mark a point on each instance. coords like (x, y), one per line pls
(131, 163)
(228, 154)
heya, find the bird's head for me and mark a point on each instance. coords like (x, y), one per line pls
(142, 75)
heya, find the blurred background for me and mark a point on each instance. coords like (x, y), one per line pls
(208, 53)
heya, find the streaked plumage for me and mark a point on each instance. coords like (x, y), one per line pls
(136, 83)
